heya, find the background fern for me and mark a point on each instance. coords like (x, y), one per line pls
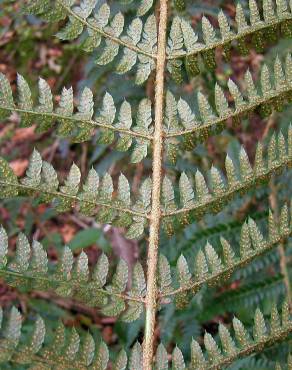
(225, 191)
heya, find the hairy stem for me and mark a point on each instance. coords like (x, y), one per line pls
(155, 215)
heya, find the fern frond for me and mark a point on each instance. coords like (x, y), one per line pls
(244, 344)
(231, 347)
(227, 229)
(239, 180)
(41, 180)
(139, 41)
(67, 350)
(29, 269)
(80, 126)
(181, 121)
(184, 41)
(210, 268)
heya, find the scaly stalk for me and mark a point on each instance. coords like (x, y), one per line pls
(155, 215)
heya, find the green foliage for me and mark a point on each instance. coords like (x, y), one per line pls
(109, 36)
(80, 126)
(289, 364)
(41, 180)
(138, 41)
(184, 41)
(194, 127)
(29, 269)
(239, 179)
(212, 269)
(69, 350)
(218, 358)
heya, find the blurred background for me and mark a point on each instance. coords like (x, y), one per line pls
(28, 46)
